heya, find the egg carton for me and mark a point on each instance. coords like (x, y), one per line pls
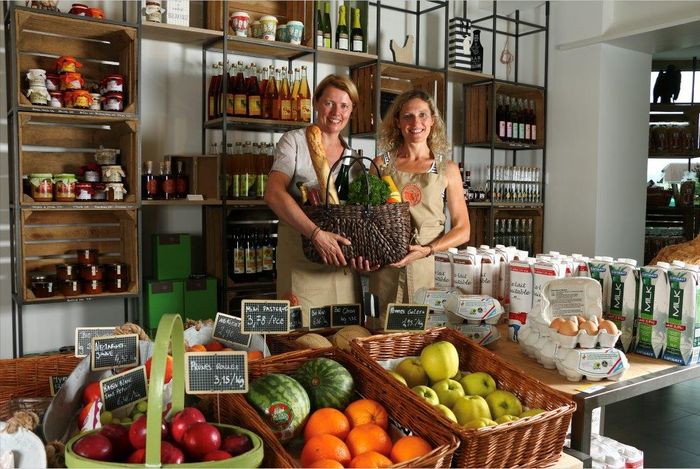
(585, 340)
(474, 309)
(483, 334)
(592, 364)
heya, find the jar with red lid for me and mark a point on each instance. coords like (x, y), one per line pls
(67, 63)
(111, 83)
(67, 272)
(72, 81)
(117, 270)
(87, 256)
(113, 102)
(84, 191)
(96, 13)
(43, 288)
(100, 191)
(92, 272)
(93, 287)
(117, 285)
(42, 187)
(67, 99)
(71, 288)
(56, 99)
(53, 82)
(82, 99)
(79, 9)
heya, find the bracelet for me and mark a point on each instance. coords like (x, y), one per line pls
(314, 233)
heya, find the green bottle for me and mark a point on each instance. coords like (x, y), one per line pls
(327, 26)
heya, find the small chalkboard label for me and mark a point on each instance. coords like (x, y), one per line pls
(400, 317)
(124, 389)
(228, 329)
(115, 351)
(346, 315)
(265, 316)
(55, 383)
(296, 319)
(319, 318)
(216, 372)
(83, 338)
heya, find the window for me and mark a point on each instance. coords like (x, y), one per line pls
(686, 94)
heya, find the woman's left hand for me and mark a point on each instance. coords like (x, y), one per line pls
(415, 252)
(363, 265)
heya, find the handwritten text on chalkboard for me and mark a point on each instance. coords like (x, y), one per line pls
(228, 329)
(83, 338)
(55, 383)
(320, 317)
(125, 388)
(114, 351)
(265, 317)
(404, 317)
(345, 315)
(216, 372)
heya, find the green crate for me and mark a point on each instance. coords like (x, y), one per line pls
(172, 256)
(163, 297)
(200, 298)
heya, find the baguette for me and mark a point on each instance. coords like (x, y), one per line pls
(318, 158)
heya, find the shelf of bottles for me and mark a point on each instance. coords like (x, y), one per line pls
(511, 185)
(518, 232)
(251, 249)
(246, 166)
(164, 186)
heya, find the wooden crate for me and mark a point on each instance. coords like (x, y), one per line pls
(285, 11)
(51, 237)
(102, 48)
(482, 231)
(63, 143)
(395, 78)
(203, 173)
(478, 110)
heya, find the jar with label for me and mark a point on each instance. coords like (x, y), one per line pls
(91, 173)
(111, 83)
(112, 173)
(36, 77)
(67, 271)
(117, 270)
(56, 99)
(113, 101)
(97, 13)
(71, 288)
(42, 186)
(72, 81)
(64, 187)
(153, 11)
(100, 191)
(43, 288)
(67, 99)
(38, 95)
(79, 9)
(96, 104)
(92, 272)
(67, 63)
(117, 285)
(82, 99)
(87, 256)
(115, 191)
(93, 287)
(106, 156)
(84, 191)
(53, 82)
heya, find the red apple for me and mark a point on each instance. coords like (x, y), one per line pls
(94, 446)
(236, 444)
(91, 392)
(168, 369)
(137, 457)
(201, 438)
(182, 421)
(171, 454)
(216, 455)
(137, 432)
(118, 435)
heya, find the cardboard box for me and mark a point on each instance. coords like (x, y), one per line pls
(172, 256)
(200, 298)
(162, 297)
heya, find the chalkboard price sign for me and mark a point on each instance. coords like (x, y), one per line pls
(346, 315)
(228, 329)
(114, 351)
(319, 318)
(216, 372)
(402, 317)
(265, 317)
(83, 338)
(124, 389)
(55, 383)
(295, 318)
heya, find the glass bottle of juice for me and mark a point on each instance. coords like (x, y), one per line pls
(254, 102)
(285, 97)
(304, 97)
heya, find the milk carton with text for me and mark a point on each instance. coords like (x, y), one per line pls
(683, 323)
(599, 269)
(520, 294)
(623, 299)
(652, 309)
(443, 270)
(490, 267)
(466, 271)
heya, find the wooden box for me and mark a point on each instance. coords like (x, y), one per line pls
(102, 48)
(394, 79)
(478, 111)
(63, 143)
(202, 171)
(51, 237)
(482, 231)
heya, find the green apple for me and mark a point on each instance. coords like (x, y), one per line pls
(507, 418)
(479, 423)
(440, 360)
(531, 412)
(426, 393)
(469, 408)
(398, 377)
(444, 410)
(502, 402)
(478, 384)
(448, 390)
(412, 371)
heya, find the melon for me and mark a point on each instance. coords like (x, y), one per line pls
(313, 341)
(282, 402)
(342, 338)
(328, 383)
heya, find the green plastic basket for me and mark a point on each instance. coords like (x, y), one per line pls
(170, 328)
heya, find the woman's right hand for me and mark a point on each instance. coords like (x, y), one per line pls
(328, 245)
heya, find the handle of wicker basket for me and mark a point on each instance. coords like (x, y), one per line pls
(355, 160)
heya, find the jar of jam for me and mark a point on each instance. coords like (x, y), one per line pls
(79, 9)
(36, 77)
(43, 288)
(87, 256)
(67, 99)
(111, 83)
(92, 272)
(115, 191)
(64, 187)
(117, 285)
(82, 99)
(117, 270)
(38, 95)
(96, 103)
(67, 63)
(106, 156)
(112, 173)
(42, 187)
(93, 287)
(56, 99)
(71, 288)
(96, 13)
(67, 272)
(72, 81)
(53, 82)
(113, 102)
(84, 191)
(100, 191)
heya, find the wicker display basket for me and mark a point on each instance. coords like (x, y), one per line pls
(533, 442)
(379, 233)
(28, 377)
(367, 384)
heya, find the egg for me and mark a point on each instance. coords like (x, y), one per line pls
(590, 327)
(556, 323)
(569, 328)
(580, 319)
(608, 326)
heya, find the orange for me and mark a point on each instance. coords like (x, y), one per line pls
(370, 459)
(325, 447)
(254, 355)
(327, 420)
(328, 463)
(197, 348)
(368, 437)
(367, 411)
(409, 447)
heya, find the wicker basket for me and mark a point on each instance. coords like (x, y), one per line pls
(28, 377)
(533, 442)
(379, 233)
(367, 383)
(283, 343)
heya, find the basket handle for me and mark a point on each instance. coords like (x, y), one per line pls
(355, 160)
(169, 327)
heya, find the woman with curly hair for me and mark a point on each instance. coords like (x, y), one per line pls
(414, 141)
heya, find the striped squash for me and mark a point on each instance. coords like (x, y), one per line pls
(328, 383)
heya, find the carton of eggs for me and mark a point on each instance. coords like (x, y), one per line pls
(586, 332)
(593, 364)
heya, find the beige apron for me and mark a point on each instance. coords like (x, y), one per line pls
(393, 285)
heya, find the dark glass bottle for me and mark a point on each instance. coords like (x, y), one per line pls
(238, 258)
(342, 180)
(181, 182)
(500, 118)
(149, 182)
(507, 117)
(212, 93)
(250, 267)
(327, 33)
(319, 26)
(167, 181)
(477, 52)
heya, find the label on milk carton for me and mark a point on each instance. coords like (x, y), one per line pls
(520, 294)
(489, 273)
(543, 271)
(683, 324)
(653, 311)
(600, 270)
(465, 270)
(623, 301)
(443, 270)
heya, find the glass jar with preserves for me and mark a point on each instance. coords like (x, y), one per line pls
(115, 191)
(67, 63)
(84, 191)
(79, 9)
(112, 173)
(72, 81)
(71, 288)
(117, 270)
(56, 99)
(43, 288)
(87, 256)
(82, 99)
(117, 285)
(36, 77)
(92, 272)
(38, 95)
(93, 287)
(106, 156)
(67, 272)
(96, 103)
(100, 191)
(42, 187)
(111, 83)
(53, 82)
(113, 102)
(67, 99)
(96, 13)
(64, 187)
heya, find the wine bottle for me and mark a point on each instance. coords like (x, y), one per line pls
(358, 35)
(270, 96)
(327, 34)
(211, 94)
(342, 181)
(500, 118)
(240, 93)
(477, 52)
(181, 182)
(231, 82)
(341, 31)
(319, 26)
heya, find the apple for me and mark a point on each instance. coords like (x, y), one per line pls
(469, 408)
(426, 393)
(440, 360)
(91, 392)
(412, 371)
(531, 412)
(137, 432)
(502, 402)
(479, 422)
(94, 446)
(182, 420)
(478, 384)
(137, 457)
(236, 444)
(171, 454)
(448, 390)
(118, 435)
(201, 438)
(216, 455)
(446, 412)
(397, 377)
(507, 418)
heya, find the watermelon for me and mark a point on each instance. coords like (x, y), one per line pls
(328, 383)
(282, 402)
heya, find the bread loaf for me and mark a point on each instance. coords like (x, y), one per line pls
(687, 252)
(318, 158)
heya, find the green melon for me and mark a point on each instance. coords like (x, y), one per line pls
(282, 402)
(328, 383)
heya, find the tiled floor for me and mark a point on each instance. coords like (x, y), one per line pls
(665, 424)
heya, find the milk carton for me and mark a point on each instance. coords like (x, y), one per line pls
(580, 265)
(504, 255)
(623, 299)
(490, 266)
(520, 294)
(443, 270)
(544, 270)
(652, 309)
(599, 269)
(466, 271)
(683, 324)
